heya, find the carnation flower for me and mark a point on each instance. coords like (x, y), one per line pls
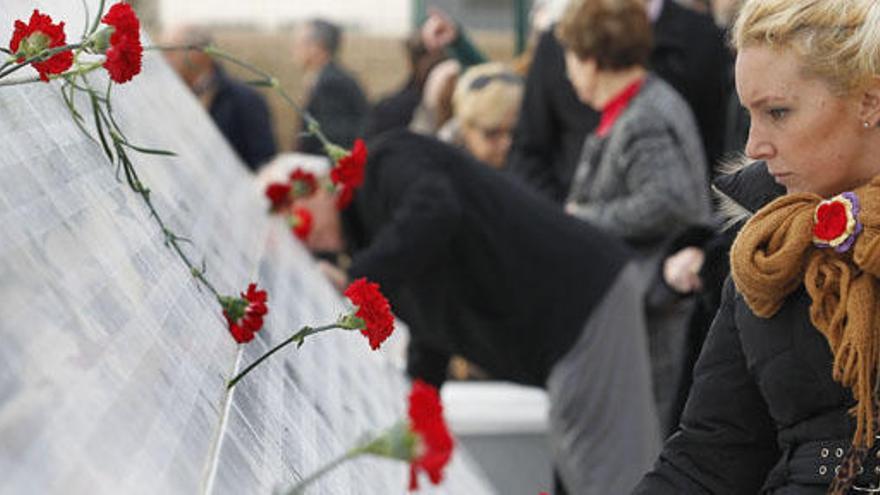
(245, 314)
(39, 34)
(279, 194)
(304, 183)
(349, 169)
(301, 222)
(377, 322)
(373, 318)
(435, 444)
(344, 197)
(423, 441)
(125, 52)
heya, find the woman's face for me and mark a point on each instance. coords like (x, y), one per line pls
(490, 144)
(582, 74)
(812, 140)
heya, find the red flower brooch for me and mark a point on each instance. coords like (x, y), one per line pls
(373, 310)
(39, 34)
(434, 445)
(245, 314)
(125, 52)
(836, 222)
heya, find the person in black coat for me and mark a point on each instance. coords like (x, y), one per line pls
(396, 110)
(785, 391)
(335, 99)
(239, 111)
(480, 266)
(688, 53)
(243, 117)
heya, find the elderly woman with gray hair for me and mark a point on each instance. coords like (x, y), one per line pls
(642, 172)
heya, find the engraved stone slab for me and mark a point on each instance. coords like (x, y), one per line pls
(113, 363)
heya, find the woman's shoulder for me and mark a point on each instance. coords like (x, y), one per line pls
(657, 107)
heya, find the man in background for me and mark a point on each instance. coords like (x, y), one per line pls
(334, 97)
(239, 111)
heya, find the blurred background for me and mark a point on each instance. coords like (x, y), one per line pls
(262, 32)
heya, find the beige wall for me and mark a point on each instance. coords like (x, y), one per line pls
(387, 17)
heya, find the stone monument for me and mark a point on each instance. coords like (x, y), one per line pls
(113, 363)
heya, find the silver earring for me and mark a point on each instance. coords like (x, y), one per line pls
(866, 124)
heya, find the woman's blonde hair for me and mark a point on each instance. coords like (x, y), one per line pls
(836, 40)
(486, 94)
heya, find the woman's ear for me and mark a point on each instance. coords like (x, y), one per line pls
(870, 104)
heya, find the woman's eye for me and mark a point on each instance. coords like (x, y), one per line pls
(777, 113)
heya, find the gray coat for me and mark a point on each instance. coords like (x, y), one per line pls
(644, 182)
(647, 178)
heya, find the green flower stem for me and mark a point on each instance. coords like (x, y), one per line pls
(300, 487)
(97, 21)
(45, 54)
(312, 126)
(78, 70)
(397, 442)
(172, 240)
(298, 337)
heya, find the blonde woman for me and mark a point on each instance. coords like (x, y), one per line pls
(785, 392)
(485, 107)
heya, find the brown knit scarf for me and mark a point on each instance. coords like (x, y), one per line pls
(774, 253)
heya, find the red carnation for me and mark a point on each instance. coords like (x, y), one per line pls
(37, 35)
(349, 170)
(344, 197)
(245, 314)
(279, 194)
(426, 421)
(125, 53)
(301, 222)
(373, 309)
(831, 221)
(304, 183)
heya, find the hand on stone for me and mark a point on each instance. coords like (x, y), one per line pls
(681, 270)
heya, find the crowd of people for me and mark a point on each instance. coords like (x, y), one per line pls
(551, 222)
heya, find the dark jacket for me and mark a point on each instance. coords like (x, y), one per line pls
(764, 415)
(339, 105)
(552, 125)
(243, 117)
(688, 53)
(476, 263)
(394, 111)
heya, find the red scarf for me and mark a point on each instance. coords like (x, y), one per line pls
(616, 106)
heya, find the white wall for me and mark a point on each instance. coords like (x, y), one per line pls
(389, 17)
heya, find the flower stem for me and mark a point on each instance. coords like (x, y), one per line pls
(45, 54)
(300, 487)
(266, 79)
(98, 14)
(297, 337)
(171, 239)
